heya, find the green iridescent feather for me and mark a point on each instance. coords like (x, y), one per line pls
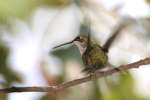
(94, 58)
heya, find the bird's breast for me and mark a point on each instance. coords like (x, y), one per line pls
(95, 56)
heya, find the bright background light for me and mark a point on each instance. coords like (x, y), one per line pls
(33, 42)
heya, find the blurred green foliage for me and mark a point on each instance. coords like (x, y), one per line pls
(148, 1)
(122, 89)
(3, 96)
(146, 24)
(8, 74)
(15, 8)
(22, 8)
(47, 97)
(55, 3)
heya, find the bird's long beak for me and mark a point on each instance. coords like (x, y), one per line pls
(63, 44)
(66, 43)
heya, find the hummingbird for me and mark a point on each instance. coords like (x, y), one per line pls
(93, 55)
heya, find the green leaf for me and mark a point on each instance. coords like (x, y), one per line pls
(9, 75)
(22, 8)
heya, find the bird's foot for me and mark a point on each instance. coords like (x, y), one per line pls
(93, 76)
(119, 70)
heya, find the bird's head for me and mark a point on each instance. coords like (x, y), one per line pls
(81, 42)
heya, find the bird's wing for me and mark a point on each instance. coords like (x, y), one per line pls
(111, 39)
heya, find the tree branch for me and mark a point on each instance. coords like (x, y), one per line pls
(98, 74)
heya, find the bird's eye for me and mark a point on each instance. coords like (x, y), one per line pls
(81, 40)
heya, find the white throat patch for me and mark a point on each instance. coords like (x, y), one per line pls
(80, 47)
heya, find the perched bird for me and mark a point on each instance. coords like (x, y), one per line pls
(93, 55)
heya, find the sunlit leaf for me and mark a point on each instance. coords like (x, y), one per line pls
(22, 8)
(123, 89)
(3, 96)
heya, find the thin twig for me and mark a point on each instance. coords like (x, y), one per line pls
(98, 74)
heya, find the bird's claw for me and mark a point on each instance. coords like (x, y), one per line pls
(118, 69)
(93, 76)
